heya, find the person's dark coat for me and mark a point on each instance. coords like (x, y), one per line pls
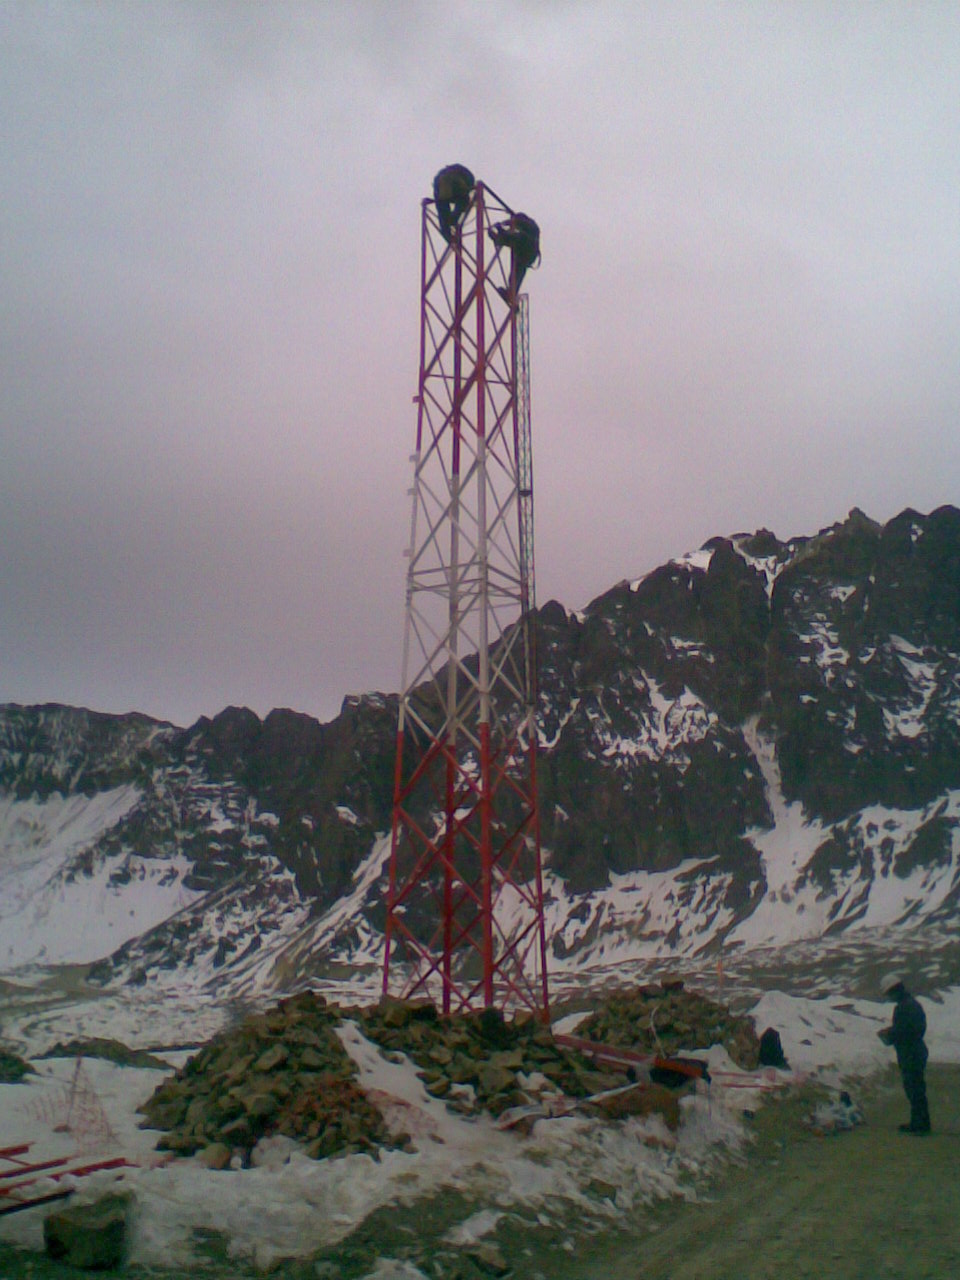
(906, 1034)
(908, 1029)
(521, 235)
(452, 188)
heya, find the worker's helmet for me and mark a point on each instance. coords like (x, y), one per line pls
(891, 981)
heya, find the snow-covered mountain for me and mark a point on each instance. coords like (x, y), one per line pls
(757, 743)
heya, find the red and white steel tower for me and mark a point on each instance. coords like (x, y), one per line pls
(464, 920)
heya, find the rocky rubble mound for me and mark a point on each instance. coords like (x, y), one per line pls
(478, 1061)
(280, 1072)
(664, 1018)
(285, 1072)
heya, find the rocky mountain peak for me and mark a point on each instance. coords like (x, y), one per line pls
(753, 736)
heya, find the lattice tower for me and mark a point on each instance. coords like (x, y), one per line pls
(465, 921)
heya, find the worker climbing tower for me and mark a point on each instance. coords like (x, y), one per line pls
(464, 923)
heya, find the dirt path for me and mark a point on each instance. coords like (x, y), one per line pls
(864, 1205)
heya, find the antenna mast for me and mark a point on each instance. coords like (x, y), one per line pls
(464, 923)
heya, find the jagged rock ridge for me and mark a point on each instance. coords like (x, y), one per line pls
(758, 732)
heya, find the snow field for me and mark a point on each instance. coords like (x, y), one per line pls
(291, 1205)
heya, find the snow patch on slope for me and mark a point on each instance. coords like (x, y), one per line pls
(667, 731)
(784, 850)
(907, 721)
(342, 934)
(871, 891)
(769, 567)
(641, 916)
(57, 909)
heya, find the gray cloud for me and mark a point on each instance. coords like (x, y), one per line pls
(748, 312)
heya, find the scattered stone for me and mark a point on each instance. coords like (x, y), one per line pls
(216, 1156)
(479, 1060)
(489, 1258)
(641, 1100)
(273, 1152)
(284, 1074)
(311, 1059)
(493, 1079)
(261, 1106)
(91, 1236)
(275, 1056)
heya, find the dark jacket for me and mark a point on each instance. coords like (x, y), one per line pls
(908, 1029)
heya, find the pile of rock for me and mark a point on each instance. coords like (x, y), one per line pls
(479, 1061)
(664, 1018)
(280, 1072)
(285, 1072)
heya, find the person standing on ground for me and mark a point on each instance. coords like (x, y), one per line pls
(906, 1034)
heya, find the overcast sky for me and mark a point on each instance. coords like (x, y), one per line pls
(748, 311)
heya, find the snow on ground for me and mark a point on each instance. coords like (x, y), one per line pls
(696, 559)
(943, 1025)
(285, 1209)
(812, 990)
(290, 1205)
(35, 1015)
(785, 850)
(832, 1037)
(286, 952)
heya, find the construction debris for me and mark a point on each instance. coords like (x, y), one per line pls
(25, 1182)
(838, 1115)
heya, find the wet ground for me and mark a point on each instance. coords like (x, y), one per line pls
(869, 1204)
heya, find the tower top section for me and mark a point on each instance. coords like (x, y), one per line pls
(455, 192)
